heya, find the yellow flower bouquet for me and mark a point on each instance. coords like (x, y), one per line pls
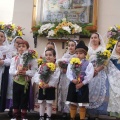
(102, 57)
(76, 67)
(112, 35)
(11, 30)
(45, 71)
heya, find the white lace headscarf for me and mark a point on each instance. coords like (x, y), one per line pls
(91, 51)
(6, 41)
(5, 47)
(13, 42)
(74, 42)
(54, 47)
(114, 54)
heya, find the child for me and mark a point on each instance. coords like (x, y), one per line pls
(14, 45)
(80, 97)
(49, 97)
(14, 52)
(98, 95)
(64, 82)
(51, 45)
(5, 57)
(22, 76)
(114, 81)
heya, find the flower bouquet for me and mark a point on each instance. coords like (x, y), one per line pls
(45, 71)
(41, 60)
(11, 30)
(112, 34)
(76, 68)
(28, 56)
(2, 25)
(63, 64)
(102, 57)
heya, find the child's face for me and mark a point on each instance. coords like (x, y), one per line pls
(80, 55)
(18, 40)
(50, 46)
(118, 48)
(22, 48)
(2, 37)
(49, 56)
(71, 47)
(95, 39)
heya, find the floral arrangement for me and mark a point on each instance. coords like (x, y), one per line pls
(112, 34)
(45, 71)
(102, 57)
(28, 56)
(76, 67)
(2, 26)
(11, 30)
(63, 64)
(110, 45)
(64, 28)
(41, 60)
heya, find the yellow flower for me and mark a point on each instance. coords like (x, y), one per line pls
(13, 26)
(73, 31)
(118, 27)
(1, 23)
(75, 61)
(20, 33)
(51, 66)
(87, 57)
(39, 61)
(107, 53)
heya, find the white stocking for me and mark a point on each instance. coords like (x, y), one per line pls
(49, 109)
(42, 108)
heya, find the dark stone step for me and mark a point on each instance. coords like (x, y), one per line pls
(58, 116)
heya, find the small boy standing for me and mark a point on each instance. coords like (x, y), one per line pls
(22, 72)
(78, 92)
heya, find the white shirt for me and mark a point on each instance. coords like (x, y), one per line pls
(13, 66)
(53, 80)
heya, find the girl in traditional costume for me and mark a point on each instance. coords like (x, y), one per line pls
(98, 86)
(47, 89)
(5, 59)
(64, 81)
(114, 81)
(14, 51)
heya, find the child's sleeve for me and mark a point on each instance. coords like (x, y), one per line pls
(8, 58)
(54, 78)
(34, 67)
(12, 70)
(69, 73)
(89, 73)
(36, 78)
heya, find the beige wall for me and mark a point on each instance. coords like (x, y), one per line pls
(108, 15)
(6, 10)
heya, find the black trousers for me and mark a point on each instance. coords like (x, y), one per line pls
(20, 98)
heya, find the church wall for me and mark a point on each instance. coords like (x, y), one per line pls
(108, 15)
